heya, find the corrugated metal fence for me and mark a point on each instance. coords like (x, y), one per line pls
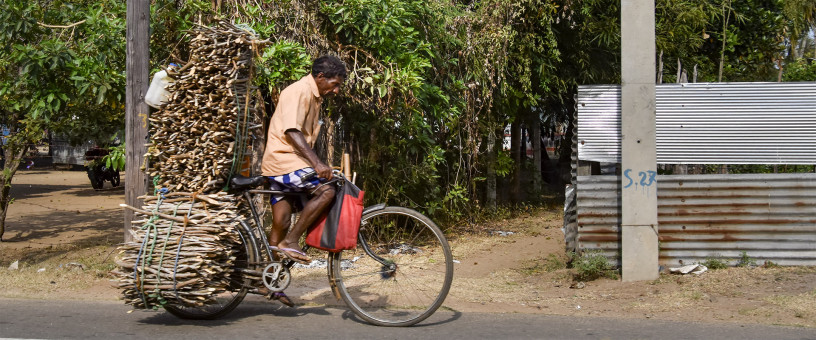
(768, 216)
(709, 123)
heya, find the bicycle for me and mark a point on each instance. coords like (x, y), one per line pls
(398, 275)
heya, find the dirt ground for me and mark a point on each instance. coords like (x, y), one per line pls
(64, 235)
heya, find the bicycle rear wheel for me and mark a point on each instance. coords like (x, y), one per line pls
(400, 272)
(226, 301)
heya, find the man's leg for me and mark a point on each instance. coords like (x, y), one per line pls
(281, 216)
(322, 199)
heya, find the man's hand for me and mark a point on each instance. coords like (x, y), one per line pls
(323, 170)
(299, 142)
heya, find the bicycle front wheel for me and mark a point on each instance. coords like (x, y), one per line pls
(401, 270)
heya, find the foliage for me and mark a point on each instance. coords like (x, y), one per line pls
(592, 265)
(115, 159)
(745, 260)
(770, 264)
(432, 84)
(68, 80)
(61, 70)
(280, 64)
(800, 70)
(714, 263)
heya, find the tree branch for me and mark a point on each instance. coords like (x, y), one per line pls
(61, 26)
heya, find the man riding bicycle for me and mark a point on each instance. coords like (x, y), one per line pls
(290, 162)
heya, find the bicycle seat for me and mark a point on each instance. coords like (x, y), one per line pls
(239, 182)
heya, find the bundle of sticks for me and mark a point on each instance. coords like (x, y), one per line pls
(197, 134)
(184, 251)
(185, 245)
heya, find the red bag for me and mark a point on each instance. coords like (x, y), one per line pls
(337, 229)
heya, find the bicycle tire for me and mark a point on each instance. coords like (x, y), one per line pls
(228, 300)
(115, 179)
(417, 284)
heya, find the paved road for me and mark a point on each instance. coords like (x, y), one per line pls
(33, 319)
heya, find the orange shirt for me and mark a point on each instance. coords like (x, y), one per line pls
(298, 108)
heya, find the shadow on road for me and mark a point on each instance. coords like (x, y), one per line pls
(252, 310)
(243, 311)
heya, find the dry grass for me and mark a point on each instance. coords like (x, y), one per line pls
(57, 272)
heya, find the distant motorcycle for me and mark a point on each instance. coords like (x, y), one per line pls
(98, 173)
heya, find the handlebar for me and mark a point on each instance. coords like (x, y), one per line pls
(335, 173)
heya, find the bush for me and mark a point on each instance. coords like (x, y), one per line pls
(115, 159)
(592, 265)
(770, 264)
(746, 261)
(715, 263)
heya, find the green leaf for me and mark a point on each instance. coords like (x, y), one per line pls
(100, 98)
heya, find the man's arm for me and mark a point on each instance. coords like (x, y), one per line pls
(299, 142)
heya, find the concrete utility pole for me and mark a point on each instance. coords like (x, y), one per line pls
(136, 110)
(639, 251)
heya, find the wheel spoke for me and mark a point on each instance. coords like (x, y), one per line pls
(416, 286)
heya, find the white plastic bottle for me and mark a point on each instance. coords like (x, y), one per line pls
(157, 93)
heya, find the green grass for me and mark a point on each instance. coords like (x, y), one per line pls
(550, 264)
(715, 263)
(746, 261)
(592, 265)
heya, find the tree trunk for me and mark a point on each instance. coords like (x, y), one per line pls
(535, 136)
(13, 156)
(781, 68)
(490, 182)
(660, 68)
(4, 203)
(726, 15)
(679, 71)
(515, 152)
(694, 77)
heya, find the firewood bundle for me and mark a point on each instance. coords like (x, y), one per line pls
(183, 253)
(198, 136)
(185, 247)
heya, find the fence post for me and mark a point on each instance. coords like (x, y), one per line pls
(639, 251)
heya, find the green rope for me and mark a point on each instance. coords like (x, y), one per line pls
(167, 236)
(241, 132)
(146, 259)
(164, 249)
(151, 236)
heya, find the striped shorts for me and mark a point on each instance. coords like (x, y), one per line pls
(297, 181)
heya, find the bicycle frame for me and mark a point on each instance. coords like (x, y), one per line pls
(248, 196)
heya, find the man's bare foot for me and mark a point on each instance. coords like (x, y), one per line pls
(279, 296)
(294, 253)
